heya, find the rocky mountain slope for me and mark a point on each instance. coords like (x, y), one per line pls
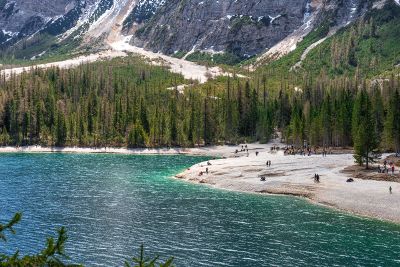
(241, 28)
(181, 27)
(20, 18)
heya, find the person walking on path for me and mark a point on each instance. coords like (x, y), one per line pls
(390, 189)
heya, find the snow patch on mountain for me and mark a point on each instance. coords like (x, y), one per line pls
(142, 12)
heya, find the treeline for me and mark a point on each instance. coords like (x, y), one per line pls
(128, 103)
(125, 102)
(329, 114)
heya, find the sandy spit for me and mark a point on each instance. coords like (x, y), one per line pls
(294, 175)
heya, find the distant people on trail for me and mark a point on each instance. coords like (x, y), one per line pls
(256, 153)
(268, 163)
(390, 189)
(209, 163)
(207, 170)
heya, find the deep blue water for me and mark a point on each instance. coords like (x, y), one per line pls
(110, 204)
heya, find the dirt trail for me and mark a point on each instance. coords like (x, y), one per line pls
(65, 64)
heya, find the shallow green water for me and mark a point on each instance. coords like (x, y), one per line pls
(111, 204)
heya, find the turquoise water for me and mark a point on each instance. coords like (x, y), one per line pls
(111, 204)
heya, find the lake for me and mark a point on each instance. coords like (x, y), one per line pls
(111, 204)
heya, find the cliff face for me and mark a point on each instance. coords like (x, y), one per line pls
(240, 27)
(244, 28)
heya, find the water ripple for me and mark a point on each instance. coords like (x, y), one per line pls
(111, 204)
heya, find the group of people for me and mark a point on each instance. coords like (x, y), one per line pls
(244, 149)
(386, 168)
(275, 148)
(306, 151)
(201, 173)
(268, 163)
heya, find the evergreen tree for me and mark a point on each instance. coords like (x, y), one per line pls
(61, 129)
(363, 130)
(392, 123)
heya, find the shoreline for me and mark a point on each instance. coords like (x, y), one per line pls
(294, 176)
(288, 175)
(212, 151)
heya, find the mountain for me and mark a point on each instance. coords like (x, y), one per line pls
(316, 62)
(33, 28)
(20, 19)
(241, 28)
(193, 29)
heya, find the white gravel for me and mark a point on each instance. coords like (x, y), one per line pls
(294, 175)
